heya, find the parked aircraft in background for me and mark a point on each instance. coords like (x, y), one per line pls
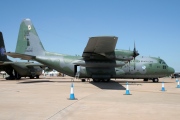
(50, 73)
(100, 61)
(16, 70)
(175, 75)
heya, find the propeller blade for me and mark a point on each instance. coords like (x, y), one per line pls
(129, 65)
(134, 64)
(135, 52)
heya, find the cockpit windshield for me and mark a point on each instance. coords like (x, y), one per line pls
(162, 61)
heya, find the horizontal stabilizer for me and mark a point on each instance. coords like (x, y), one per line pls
(22, 56)
(5, 63)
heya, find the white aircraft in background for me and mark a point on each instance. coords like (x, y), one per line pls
(50, 73)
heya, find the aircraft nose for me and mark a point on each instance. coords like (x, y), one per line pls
(171, 70)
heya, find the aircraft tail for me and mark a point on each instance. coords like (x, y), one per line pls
(3, 57)
(28, 41)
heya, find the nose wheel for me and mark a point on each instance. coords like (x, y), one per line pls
(155, 80)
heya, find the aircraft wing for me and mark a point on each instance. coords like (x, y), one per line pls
(18, 55)
(100, 45)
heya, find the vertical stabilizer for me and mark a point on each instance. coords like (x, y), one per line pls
(3, 57)
(28, 40)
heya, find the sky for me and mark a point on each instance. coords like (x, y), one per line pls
(64, 26)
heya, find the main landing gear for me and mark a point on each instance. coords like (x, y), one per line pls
(103, 80)
(96, 80)
(32, 77)
(153, 79)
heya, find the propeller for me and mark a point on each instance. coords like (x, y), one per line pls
(135, 53)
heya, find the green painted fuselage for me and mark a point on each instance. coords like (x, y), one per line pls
(100, 59)
(142, 67)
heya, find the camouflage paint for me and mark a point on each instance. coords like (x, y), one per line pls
(24, 69)
(116, 63)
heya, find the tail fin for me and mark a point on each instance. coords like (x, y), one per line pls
(3, 57)
(28, 40)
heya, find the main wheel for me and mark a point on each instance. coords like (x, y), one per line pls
(83, 80)
(96, 80)
(145, 79)
(18, 77)
(106, 80)
(155, 80)
(31, 77)
(37, 76)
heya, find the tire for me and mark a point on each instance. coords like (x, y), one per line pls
(31, 77)
(106, 80)
(155, 80)
(145, 79)
(37, 76)
(96, 80)
(83, 80)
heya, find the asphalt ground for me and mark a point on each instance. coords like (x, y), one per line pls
(47, 98)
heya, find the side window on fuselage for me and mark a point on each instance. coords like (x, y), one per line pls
(164, 67)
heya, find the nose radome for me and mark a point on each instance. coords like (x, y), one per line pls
(171, 70)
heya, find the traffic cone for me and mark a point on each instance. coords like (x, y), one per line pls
(178, 86)
(163, 88)
(127, 90)
(72, 93)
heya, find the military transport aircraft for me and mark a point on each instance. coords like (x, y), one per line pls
(16, 70)
(100, 61)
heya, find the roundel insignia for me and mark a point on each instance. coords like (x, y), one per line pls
(29, 27)
(143, 67)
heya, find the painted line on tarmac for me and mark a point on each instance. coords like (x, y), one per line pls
(68, 107)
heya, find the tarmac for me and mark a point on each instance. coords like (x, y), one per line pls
(47, 98)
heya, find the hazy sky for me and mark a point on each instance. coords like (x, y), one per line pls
(64, 26)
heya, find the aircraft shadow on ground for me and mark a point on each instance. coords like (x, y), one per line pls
(123, 82)
(112, 85)
(34, 81)
(24, 81)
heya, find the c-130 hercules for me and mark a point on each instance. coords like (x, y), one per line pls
(16, 70)
(100, 61)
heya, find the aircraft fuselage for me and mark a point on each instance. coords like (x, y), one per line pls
(141, 68)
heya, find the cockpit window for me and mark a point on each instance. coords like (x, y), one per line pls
(162, 62)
